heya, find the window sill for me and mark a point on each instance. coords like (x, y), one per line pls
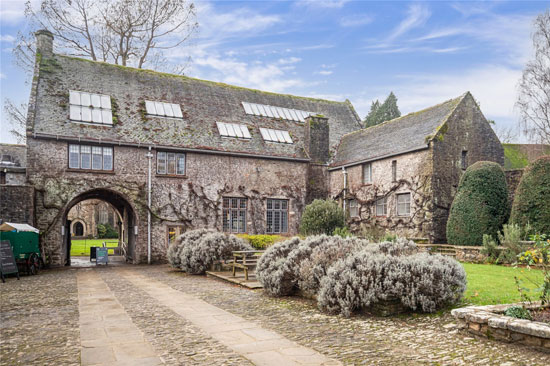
(180, 176)
(92, 123)
(90, 171)
(367, 184)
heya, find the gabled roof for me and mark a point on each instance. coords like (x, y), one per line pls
(203, 103)
(397, 136)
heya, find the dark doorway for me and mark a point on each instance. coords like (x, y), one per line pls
(78, 229)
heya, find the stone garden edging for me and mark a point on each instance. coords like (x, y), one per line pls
(489, 321)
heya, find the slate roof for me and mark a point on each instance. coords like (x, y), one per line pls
(203, 103)
(400, 135)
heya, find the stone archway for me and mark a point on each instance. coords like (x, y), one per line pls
(125, 212)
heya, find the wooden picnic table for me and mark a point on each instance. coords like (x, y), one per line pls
(246, 259)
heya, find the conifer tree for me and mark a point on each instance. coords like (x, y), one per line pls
(382, 112)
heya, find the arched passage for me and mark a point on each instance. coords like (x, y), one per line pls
(126, 215)
(78, 228)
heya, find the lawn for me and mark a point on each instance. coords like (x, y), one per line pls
(491, 284)
(82, 247)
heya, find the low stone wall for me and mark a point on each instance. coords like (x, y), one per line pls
(471, 254)
(489, 321)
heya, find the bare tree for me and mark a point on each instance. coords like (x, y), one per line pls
(505, 134)
(126, 32)
(17, 118)
(534, 86)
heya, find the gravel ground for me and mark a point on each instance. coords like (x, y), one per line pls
(39, 326)
(39, 320)
(360, 340)
(176, 340)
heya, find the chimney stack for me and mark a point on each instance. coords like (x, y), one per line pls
(317, 139)
(44, 42)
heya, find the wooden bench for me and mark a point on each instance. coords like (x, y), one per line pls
(246, 260)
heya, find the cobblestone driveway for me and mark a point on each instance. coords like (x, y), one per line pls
(39, 326)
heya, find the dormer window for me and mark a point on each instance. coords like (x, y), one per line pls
(91, 108)
(163, 109)
(288, 114)
(276, 135)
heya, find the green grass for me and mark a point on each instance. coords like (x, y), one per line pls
(82, 247)
(490, 284)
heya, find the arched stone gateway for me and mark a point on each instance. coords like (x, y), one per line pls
(126, 214)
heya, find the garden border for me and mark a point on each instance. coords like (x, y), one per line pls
(489, 321)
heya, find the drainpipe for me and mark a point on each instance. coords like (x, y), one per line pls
(149, 157)
(345, 174)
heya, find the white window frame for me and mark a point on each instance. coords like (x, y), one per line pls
(163, 109)
(367, 168)
(176, 159)
(101, 151)
(353, 208)
(90, 108)
(403, 208)
(381, 202)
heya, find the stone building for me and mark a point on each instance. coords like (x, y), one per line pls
(171, 153)
(13, 160)
(16, 197)
(210, 154)
(85, 216)
(402, 175)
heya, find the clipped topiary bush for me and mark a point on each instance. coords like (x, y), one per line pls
(419, 282)
(480, 205)
(261, 241)
(189, 238)
(197, 256)
(321, 217)
(532, 198)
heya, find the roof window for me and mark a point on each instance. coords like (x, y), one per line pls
(163, 109)
(88, 107)
(276, 135)
(233, 130)
(275, 112)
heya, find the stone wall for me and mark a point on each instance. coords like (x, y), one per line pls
(465, 130)
(413, 175)
(192, 201)
(13, 153)
(17, 204)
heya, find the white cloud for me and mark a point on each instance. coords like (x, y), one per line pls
(7, 38)
(324, 72)
(417, 15)
(330, 4)
(2, 75)
(355, 20)
(289, 60)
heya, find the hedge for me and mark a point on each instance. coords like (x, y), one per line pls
(480, 206)
(532, 199)
(322, 217)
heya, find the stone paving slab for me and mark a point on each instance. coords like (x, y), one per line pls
(229, 329)
(107, 334)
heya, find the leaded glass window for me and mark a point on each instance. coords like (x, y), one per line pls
(277, 216)
(234, 214)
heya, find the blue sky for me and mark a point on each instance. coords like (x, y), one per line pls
(425, 52)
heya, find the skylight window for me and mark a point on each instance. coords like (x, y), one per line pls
(92, 108)
(276, 135)
(163, 109)
(275, 112)
(233, 130)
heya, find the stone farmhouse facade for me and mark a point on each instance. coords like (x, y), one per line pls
(402, 175)
(171, 153)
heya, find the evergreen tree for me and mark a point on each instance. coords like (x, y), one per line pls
(382, 112)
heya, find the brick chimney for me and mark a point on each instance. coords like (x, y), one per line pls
(44, 42)
(317, 138)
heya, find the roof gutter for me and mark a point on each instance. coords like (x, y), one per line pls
(145, 145)
(359, 162)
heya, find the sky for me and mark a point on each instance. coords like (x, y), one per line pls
(425, 52)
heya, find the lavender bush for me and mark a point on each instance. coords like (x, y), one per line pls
(419, 281)
(186, 239)
(272, 266)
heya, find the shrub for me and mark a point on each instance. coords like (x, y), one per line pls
(106, 231)
(314, 268)
(418, 281)
(510, 244)
(518, 312)
(196, 257)
(321, 217)
(261, 241)
(490, 248)
(531, 202)
(272, 262)
(187, 239)
(342, 232)
(480, 206)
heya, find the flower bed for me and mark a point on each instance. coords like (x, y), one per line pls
(489, 321)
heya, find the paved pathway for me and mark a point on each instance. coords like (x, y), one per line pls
(107, 334)
(262, 347)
